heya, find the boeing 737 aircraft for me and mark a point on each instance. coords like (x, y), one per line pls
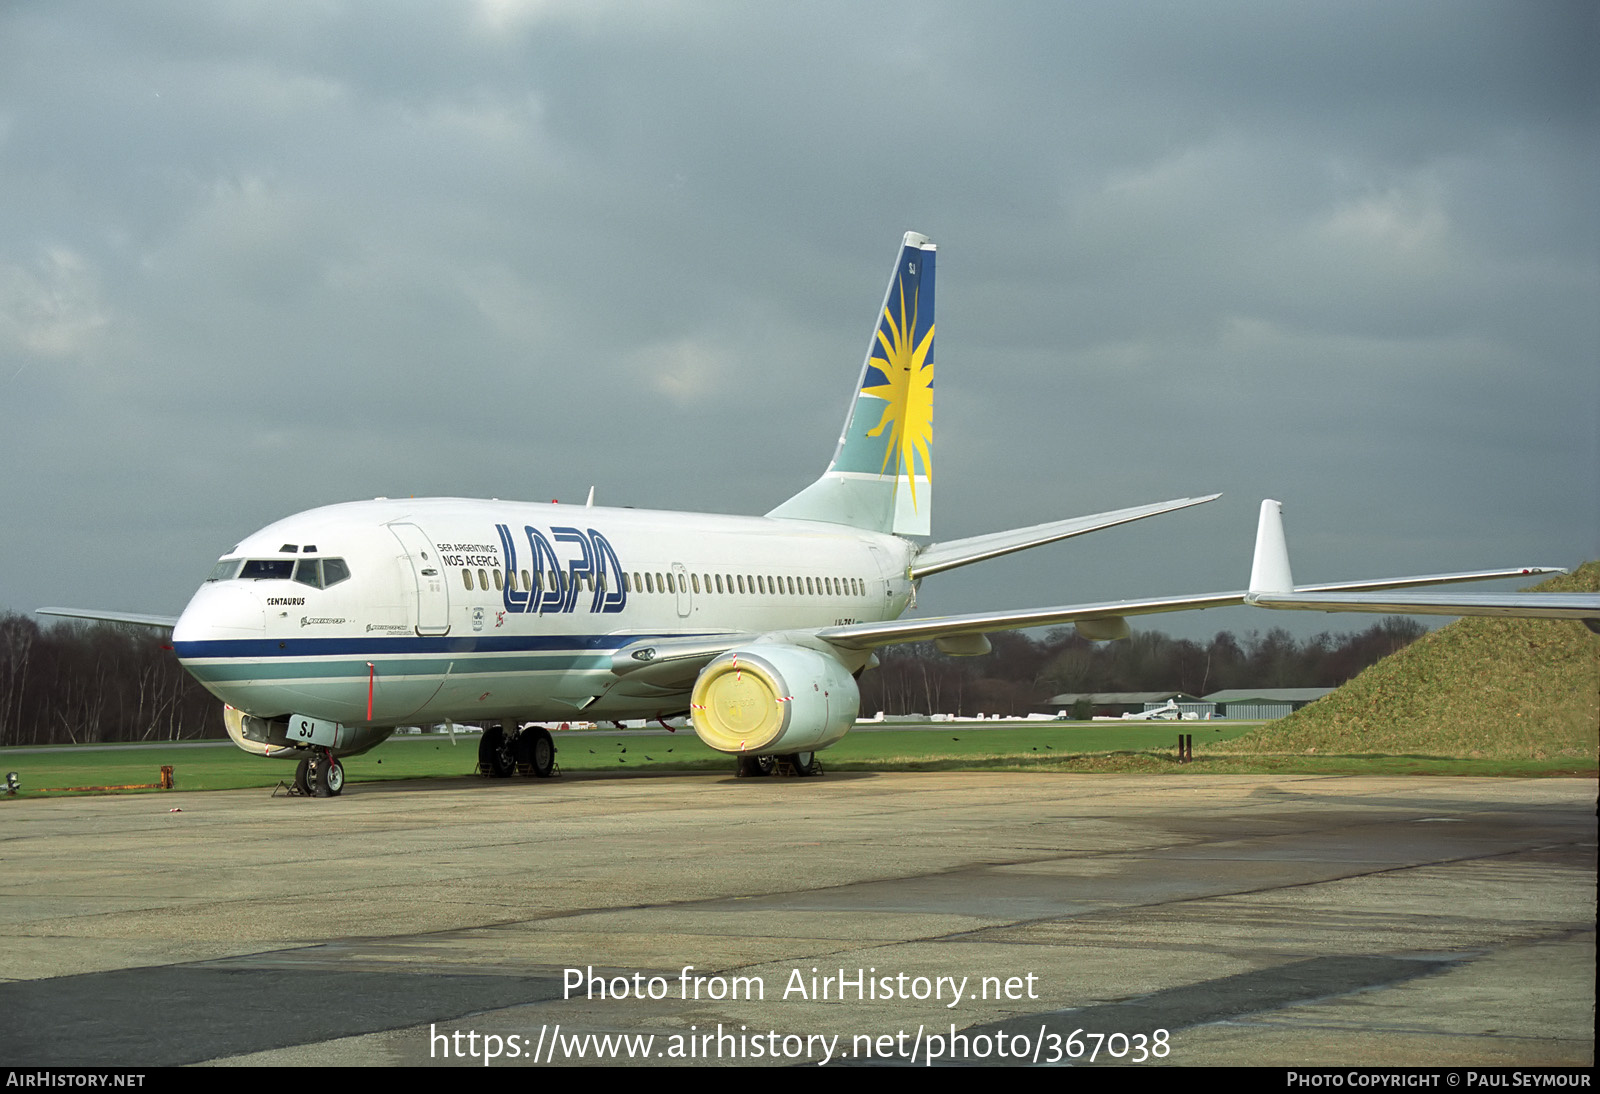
(323, 632)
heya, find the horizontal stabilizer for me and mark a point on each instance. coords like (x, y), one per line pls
(938, 557)
(138, 619)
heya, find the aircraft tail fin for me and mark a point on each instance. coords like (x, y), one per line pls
(881, 476)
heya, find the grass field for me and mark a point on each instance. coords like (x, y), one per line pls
(1507, 691)
(1065, 747)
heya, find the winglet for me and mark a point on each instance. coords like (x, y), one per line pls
(1270, 571)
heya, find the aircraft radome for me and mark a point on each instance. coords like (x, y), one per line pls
(326, 630)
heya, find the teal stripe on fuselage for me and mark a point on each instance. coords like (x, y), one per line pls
(233, 669)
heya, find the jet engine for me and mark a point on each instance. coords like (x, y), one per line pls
(773, 699)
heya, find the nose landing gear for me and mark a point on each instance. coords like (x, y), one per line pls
(319, 775)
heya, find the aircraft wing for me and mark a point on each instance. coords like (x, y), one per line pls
(938, 557)
(139, 619)
(1430, 579)
(861, 636)
(666, 662)
(677, 659)
(1272, 586)
(1581, 606)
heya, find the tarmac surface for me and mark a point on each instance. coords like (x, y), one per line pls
(1279, 920)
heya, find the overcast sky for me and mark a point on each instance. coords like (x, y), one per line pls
(258, 257)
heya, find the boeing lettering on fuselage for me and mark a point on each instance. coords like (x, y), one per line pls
(446, 609)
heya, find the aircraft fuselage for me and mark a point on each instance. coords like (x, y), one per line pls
(389, 612)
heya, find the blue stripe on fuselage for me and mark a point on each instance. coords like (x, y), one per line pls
(361, 647)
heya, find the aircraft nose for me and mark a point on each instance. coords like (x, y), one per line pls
(221, 611)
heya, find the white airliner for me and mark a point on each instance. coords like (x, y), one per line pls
(324, 631)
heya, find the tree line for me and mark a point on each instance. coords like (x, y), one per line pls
(1023, 672)
(80, 683)
(84, 683)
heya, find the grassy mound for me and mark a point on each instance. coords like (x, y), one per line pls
(1509, 689)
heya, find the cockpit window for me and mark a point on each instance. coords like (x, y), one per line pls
(319, 573)
(258, 569)
(224, 570)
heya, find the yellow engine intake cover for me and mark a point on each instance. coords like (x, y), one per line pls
(736, 706)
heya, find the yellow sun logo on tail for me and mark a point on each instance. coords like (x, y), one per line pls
(908, 391)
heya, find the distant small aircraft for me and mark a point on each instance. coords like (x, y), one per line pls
(324, 631)
(1170, 712)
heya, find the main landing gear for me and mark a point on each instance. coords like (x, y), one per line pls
(529, 751)
(799, 764)
(754, 767)
(319, 775)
